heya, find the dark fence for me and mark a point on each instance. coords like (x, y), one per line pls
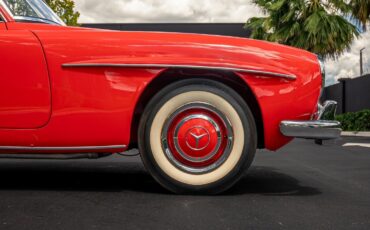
(335, 93)
(228, 29)
(351, 94)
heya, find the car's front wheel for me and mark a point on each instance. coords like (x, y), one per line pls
(197, 136)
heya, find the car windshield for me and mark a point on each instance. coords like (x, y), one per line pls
(32, 10)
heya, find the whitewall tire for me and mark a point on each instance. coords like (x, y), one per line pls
(197, 136)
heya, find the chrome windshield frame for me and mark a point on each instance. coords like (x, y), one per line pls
(2, 18)
(5, 7)
(35, 19)
(32, 19)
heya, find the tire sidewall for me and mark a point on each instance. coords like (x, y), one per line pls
(245, 115)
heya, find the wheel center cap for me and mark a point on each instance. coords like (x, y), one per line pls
(197, 138)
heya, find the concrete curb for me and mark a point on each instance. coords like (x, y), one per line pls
(356, 134)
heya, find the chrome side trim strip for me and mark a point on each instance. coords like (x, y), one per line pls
(75, 148)
(79, 65)
(54, 156)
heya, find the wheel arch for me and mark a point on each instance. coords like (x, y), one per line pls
(170, 76)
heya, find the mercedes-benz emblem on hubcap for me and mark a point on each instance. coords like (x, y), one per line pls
(197, 138)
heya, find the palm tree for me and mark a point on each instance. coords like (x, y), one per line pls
(313, 25)
(360, 10)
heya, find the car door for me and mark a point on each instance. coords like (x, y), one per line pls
(25, 98)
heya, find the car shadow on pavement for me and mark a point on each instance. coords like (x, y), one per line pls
(130, 176)
(270, 182)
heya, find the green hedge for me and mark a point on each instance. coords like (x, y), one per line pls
(358, 121)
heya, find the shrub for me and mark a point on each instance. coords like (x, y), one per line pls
(358, 121)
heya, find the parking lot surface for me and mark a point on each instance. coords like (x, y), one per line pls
(302, 186)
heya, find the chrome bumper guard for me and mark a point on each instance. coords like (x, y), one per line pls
(322, 128)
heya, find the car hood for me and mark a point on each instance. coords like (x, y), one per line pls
(91, 46)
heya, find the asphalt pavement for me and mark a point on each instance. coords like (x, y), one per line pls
(302, 186)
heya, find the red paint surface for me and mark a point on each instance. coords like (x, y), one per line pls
(25, 88)
(285, 100)
(94, 106)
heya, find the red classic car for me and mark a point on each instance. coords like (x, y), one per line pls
(196, 106)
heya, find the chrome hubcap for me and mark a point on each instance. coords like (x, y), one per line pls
(197, 138)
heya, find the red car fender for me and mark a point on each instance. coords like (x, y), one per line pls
(97, 77)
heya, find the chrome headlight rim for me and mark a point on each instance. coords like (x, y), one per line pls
(322, 69)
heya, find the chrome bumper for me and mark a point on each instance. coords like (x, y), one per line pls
(323, 128)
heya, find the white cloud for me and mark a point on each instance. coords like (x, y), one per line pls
(348, 65)
(155, 11)
(165, 10)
